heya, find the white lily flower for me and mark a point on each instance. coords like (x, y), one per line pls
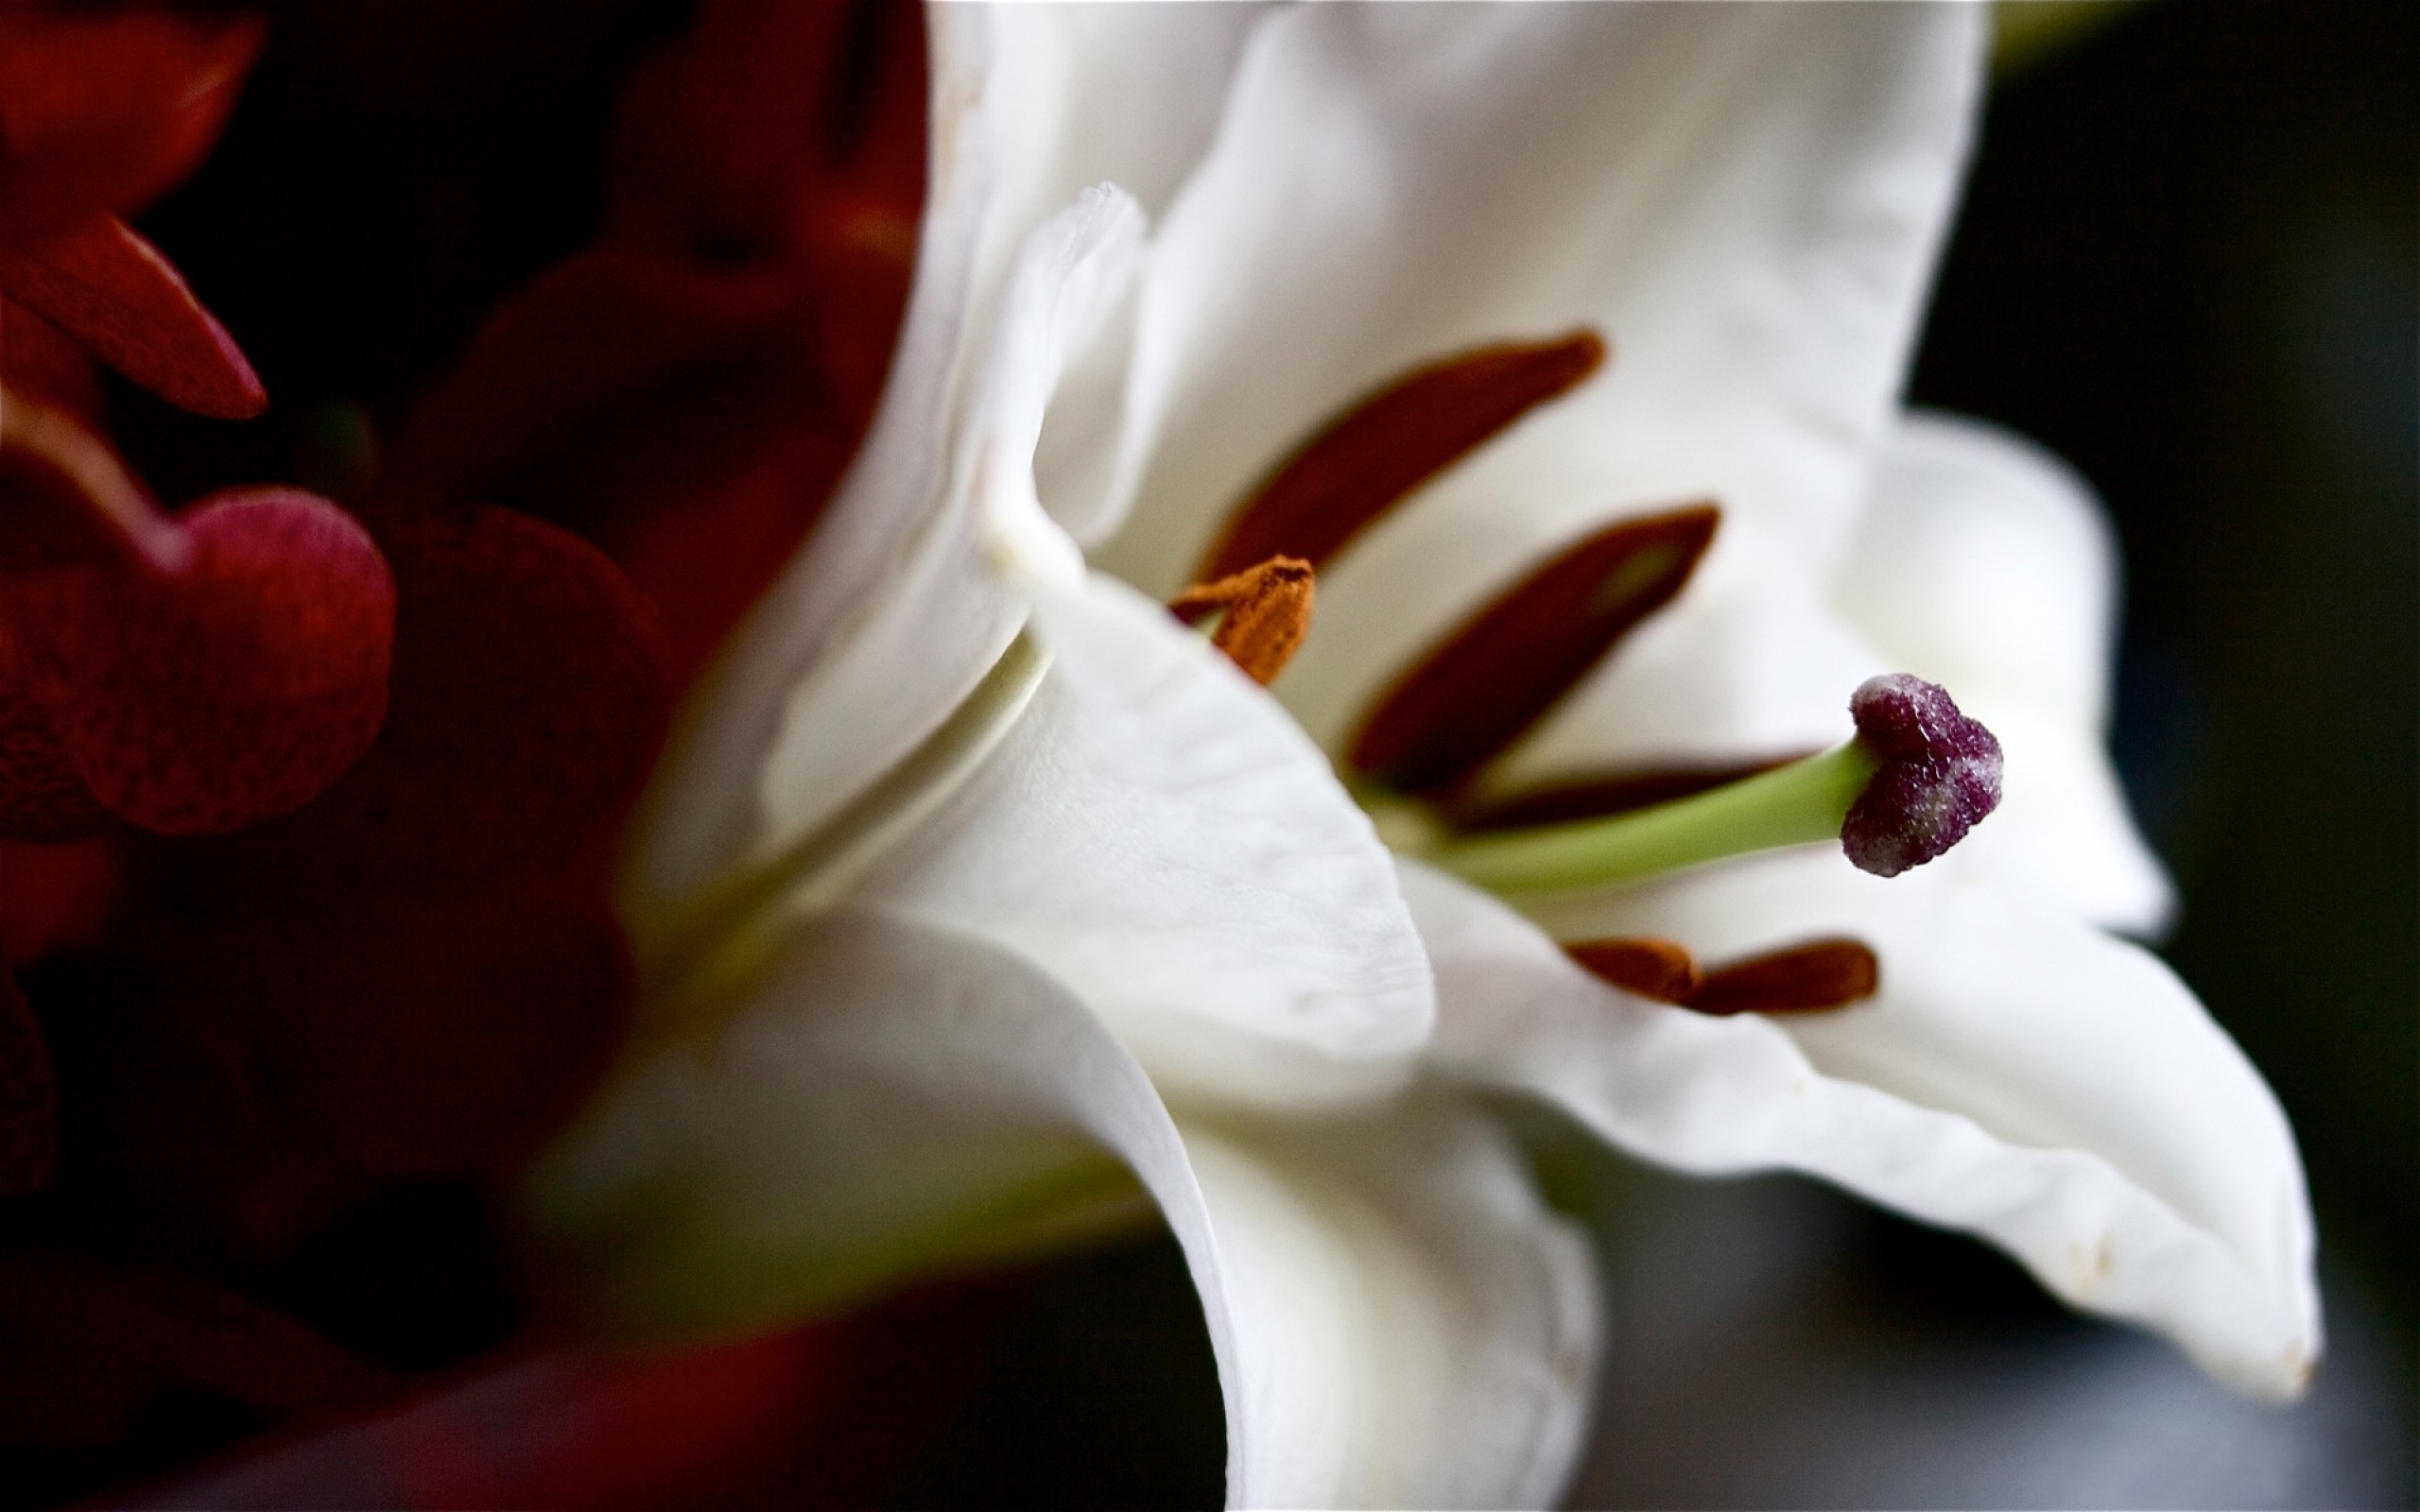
(974, 881)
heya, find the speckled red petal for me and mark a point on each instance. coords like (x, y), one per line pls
(112, 291)
(528, 700)
(526, 704)
(41, 796)
(201, 701)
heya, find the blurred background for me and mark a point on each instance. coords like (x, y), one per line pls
(2186, 264)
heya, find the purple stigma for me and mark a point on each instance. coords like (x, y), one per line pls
(1938, 774)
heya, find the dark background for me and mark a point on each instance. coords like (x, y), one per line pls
(2186, 264)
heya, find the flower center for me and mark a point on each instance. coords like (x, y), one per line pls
(1915, 779)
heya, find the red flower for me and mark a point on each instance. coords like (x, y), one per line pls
(345, 952)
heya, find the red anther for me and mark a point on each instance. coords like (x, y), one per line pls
(1824, 974)
(1366, 460)
(28, 1095)
(1265, 612)
(1647, 965)
(202, 700)
(1490, 679)
(115, 293)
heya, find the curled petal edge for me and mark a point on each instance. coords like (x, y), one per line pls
(1722, 1096)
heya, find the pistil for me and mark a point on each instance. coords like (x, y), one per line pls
(1916, 778)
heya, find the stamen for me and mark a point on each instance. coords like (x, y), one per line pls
(1918, 776)
(1824, 973)
(1264, 611)
(1647, 965)
(1819, 974)
(1486, 683)
(1363, 462)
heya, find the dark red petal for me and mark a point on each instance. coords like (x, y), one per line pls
(705, 548)
(173, 1143)
(54, 895)
(39, 360)
(589, 332)
(1824, 973)
(28, 1095)
(1366, 459)
(529, 699)
(425, 1037)
(240, 688)
(766, 100)
(561, 1428)
(853, 231)
(115, 293)
(1488, 682)
(66, 496)
(816, 1415)
(99, 112)
(42, 797)
(86, 1344)
(524, 706)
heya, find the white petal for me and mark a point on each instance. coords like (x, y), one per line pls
(1985, 565)
(1411, 1327)
(1086, 95)
(1156, 833)
(882, 1101)
(807, 715)
(1079, 94)
(700, 816)
(1395, 1318)
(2021, 1077)
(1745, 200)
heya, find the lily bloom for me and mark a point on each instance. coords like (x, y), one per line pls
(968, 865)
